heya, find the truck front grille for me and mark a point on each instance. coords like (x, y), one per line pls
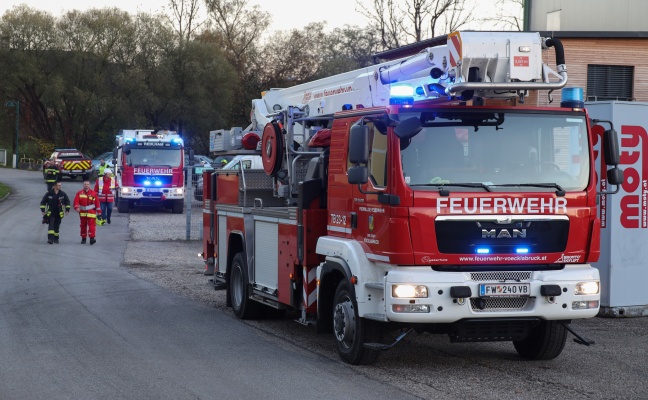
(500, 276)
(494, 304)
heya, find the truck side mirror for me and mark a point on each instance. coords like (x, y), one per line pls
(115, 154)
(615, 176)
(611, 147)
(359, 144)
(408, 128)
(358, 174)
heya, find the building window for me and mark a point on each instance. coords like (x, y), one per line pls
(609, 82)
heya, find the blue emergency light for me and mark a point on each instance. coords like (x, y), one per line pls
(483, 250)
(572, 97)
(401, 94)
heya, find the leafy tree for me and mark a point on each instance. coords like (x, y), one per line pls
(237, 27)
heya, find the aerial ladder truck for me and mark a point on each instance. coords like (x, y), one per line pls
(421, 194)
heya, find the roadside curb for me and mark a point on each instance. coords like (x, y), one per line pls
(6, 195)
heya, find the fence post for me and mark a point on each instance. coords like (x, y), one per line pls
(187, 200)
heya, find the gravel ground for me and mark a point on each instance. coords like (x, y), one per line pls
(424, 365)
(158, 252)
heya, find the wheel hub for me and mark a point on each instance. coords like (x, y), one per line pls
(344, 322)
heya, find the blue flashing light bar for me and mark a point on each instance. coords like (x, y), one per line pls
(147, 183)
(572, 97)
(158, 183)
(522, 250)
(177, 140)
(483, 250)
(401, 91)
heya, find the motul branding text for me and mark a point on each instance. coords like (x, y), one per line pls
(485, 205)
(148, 171)
(634, 203)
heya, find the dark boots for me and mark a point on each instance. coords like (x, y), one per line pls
(83, 240)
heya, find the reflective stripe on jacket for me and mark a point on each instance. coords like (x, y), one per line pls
(87, 203)
(105, 192)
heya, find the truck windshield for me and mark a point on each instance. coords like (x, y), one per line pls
(156, 156)
(532, 150)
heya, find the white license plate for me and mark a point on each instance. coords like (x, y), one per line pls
(504, 289)
(153, 190)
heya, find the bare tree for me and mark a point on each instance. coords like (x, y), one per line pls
(509, 15)
(400, 22)
(385, 19)
(184, 19)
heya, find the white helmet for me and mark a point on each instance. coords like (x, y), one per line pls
(107, 171)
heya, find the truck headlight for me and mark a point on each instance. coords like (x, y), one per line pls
(125, 190)
(178, 190)
(409, 291)
(583, 288)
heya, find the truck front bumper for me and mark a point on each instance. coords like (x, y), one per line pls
(152, 194)
(550, 295)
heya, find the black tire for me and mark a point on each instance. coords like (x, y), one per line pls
(545, 342)
(243, 306)
(352, 332)
(122, 206)
(177, 206)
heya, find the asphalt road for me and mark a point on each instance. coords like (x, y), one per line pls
(74, 324)
(87, 327)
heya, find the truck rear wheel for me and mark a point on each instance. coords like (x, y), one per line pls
(352, 332)
(244, 307)
(546, 341)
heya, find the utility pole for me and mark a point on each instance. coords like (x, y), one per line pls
(15, 103)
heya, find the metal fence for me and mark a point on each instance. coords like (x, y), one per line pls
(193, 205)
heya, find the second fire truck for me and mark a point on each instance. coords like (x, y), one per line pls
(150, 169)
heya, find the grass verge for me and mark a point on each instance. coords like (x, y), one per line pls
(4, 189)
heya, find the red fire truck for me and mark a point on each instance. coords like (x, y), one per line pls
(420, 194)
(150, 169)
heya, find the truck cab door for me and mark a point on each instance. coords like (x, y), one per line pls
(370, 215)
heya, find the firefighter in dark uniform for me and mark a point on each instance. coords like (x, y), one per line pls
(52, 175)
(54, 206)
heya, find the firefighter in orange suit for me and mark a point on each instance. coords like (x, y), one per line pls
(86, 203)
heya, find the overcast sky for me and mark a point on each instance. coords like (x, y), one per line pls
(286, 14)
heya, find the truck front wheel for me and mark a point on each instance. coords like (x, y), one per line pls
(177, 207)
(122, 205)
(545, 342)
(244, 307)
(352, 332)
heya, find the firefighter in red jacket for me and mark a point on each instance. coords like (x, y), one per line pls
(105, 186)
(86, 203)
